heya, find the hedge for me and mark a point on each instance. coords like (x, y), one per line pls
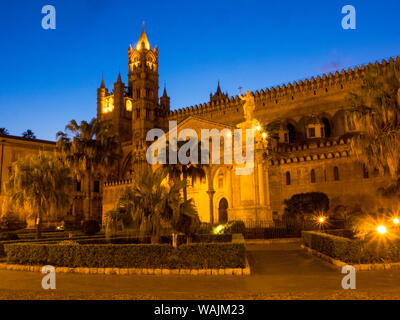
(352, 250)
(192, 256)
(44, 240)
(345, 233)
(100, 239)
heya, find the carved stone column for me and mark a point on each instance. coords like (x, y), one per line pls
(211, 191)
(211, 196)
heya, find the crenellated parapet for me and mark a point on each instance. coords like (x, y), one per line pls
(326, 149)
(297, 90)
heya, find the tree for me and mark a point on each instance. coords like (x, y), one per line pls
(185, 171)
(4, 132)
(187, 220)
(300, 205)
(375, 114)
(154, 200)
(92, 152)
(28, 134)
(43, 182)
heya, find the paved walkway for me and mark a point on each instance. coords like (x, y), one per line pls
(280, 271)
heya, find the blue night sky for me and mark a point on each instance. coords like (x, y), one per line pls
(48, 77)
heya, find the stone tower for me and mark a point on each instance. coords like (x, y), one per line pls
(147, 113)
(136, 108)
(143, 85)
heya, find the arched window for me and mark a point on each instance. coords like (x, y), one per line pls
(336, 173)
(96, 186)
(288, 181)
(292, 133)
(365, 172)
(312, 176)
(326, 129)
(78, 186)
(221, 180)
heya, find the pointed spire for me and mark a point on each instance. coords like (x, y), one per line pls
(165, 90)
(143, 39)
(219, 88)
(119, 78)
(102, 86)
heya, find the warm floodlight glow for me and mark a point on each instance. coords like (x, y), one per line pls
(258, 128)
(264, 135)
(229, 134)
(320, 220)
(218, 229)
(128, 105)
(396, 221)
(381, 229)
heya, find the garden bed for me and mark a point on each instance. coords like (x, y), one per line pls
(352, 250)
(46, 240)
(211, 255)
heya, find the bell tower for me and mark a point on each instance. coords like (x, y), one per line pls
(143, 87)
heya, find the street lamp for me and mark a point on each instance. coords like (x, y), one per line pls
(381, 229)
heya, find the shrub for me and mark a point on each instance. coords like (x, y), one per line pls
(345, 233)
(306, 203)
(352, 251)
(12, 222)
(91, 227)
(333, 246)
(235, 227)
(204, 255)
(8, 236)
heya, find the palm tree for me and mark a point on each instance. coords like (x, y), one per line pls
(151, 202)
(28, 134)
(376, 116)
(3, 132)
(185, 171)
(92, 151)
(42, 181)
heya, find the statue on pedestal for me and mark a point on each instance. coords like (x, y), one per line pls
(248, 106)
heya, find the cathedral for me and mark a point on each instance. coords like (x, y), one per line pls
(309, 150)
(301, 143)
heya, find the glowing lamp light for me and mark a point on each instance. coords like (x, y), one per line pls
(258, 128)
(218, 229)
(396, 221)
(381, 229)
(264, 135)
(229, 134)
(321, 219)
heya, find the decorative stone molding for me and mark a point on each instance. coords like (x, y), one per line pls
(314, 156)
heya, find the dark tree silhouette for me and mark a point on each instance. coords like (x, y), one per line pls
(3, 132)
(28, 134)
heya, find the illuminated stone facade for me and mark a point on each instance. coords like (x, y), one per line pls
(13, 148)
(310, 153)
